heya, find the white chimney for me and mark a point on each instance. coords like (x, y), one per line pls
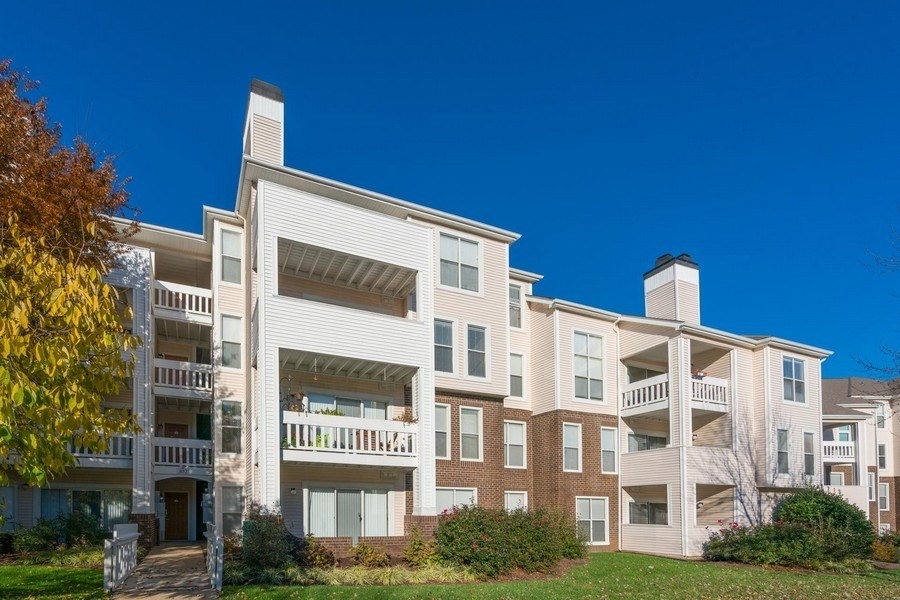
(264, 127)
(672, 289)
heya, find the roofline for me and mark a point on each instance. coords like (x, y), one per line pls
(733, 338)
(582, 309)
(795, 346)
(430, 213)
(844, 417)
(527, 275)
(159, 229)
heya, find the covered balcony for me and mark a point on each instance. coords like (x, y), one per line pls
(181, 456)
(838, 452)
(182, 365)
(118, 454)
(650, 397)
(182, 302)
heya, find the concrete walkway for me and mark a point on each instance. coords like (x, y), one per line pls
(169, 571)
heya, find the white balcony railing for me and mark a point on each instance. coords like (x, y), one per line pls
(335, 435)
(120, 447)
(183, 301)
(838, 451)
(646, 392)
(710, 389)
(177, 452)
(187, 376)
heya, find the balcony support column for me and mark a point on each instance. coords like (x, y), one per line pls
(424, 477)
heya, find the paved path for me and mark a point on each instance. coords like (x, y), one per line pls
(169, 571)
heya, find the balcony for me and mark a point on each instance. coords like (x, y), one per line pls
(335, 440)
(182, 303)
(177, 456)
(117, 456)
(650, 397)
(838, 452)
(182, 379)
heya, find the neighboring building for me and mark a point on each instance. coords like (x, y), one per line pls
(456, 383)
(860, 448)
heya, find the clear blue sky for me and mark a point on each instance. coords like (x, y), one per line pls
(762, 139)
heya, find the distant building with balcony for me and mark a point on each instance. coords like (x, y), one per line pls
(361, 363)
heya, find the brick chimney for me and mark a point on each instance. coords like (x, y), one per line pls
(672, 289)
(264, 127)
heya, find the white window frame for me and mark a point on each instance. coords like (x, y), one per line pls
(614, 449)
(779, 451)
(886, 496)
(520, 375)
(480, 434)
(831, 478)
(794, 360)
(589, 357)
(239, 342)
(226, 501)
(841, 431)
(882, 457)
(486, 352)
(809, 435)
(508, 493)
(444, 431)
(870, 487)
(458, 263)
(880, 416)
(506, 444)
(515, 304)
(471, 495)
(452, 324)
(591, 518)
(580, 444)
(636, 434)
(648, 504)
(239, 426)
(223, 256)
(363, 489)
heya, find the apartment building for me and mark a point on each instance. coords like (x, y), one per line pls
(860, 452)
(361, 363)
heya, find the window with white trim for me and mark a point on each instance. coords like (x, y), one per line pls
(609, 441)
(469, 433)
(591, 519)
(794, 379)
(835, 478)
(515, 306)
(884, 502)
(459, 263)
(809, 453)
(882, 456)
(231, 427)
(870, 486)
(571, 447)
(363, 408)
(648, 513)
(347, 512)
(880, 416)
(476, 351)
(514, 444)
(231, 256)
(844, 434)
(443, 346)
(516, 375)
(782, 443)
(515, 501)
(231, 341)
(232, 508)
(441, 431)
(447, 498)
(638, 442)
(588, 366)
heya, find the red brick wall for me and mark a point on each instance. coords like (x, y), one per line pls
(889, 517)
(873, 506)
(148, 528)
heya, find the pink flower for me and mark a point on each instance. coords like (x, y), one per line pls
(474, 544)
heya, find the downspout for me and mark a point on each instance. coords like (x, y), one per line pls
(684, 406)
(618, 429)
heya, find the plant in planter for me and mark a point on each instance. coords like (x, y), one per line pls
(406, 416)
(335, 412)
(289, 442)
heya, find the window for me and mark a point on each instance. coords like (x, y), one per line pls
(447, 498)
(590, 516)
(588, 366)
(883, 500)
(809, 453)
(882, 456)
(231, 341)
(441, 431)
(571, 447)
(884, 528)
(231, 426)
(638, 442)
(515, 501)
(516, 375)
(879, 416)
(231, 256)
(349, 407)
(514, 444)
(470, 433)
(870, 485)
(782, 440)
(609, 437)
(792, 369)
(640, 373)
(477, 351)
(459, 263)
(443, 346)
(107, 507)
(843, 434)
(348, 512)
(835, 478)
(648, 513)
(515, 306)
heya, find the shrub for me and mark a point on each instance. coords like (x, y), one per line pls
(6, 543)
(841, 528)
(419, 552)
(45, 535)
(316, 555)
(368, 556)
(774, 544)
(884, 551)
(266, 542)
(81, 530)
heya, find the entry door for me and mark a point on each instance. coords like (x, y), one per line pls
(349, 513)
(176, 430)
(176, 515)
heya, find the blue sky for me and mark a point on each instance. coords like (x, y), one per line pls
(763, 140)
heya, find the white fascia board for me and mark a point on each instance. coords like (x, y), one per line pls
(581, 309)
(790, 346)
(526, 276)
(718, 334)
(842, 418)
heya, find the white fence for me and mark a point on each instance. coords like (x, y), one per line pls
(195, 303)
(838, 451)
(710, 389)
(215, 548)
(185, 375)
(180, 452)
(347, 435)
(646, 392)
(119, 555)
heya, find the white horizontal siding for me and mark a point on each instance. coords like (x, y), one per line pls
(637, 337)
(266, 141)
(542, 360)
(650, 467)
(569, 324)
(660, 303)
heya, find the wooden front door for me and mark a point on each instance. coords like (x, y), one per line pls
(176, 515)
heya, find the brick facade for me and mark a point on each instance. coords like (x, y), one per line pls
(148, 528)
(889, 517)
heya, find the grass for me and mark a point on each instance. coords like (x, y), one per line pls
(621, 575)
(50, 583)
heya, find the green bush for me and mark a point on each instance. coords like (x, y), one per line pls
(368, 556)
(314, 554)
(6, 543)
(419, 552)
(774, 544)
(266, 543)
(841, 528)
(81, 530)
(45, 535)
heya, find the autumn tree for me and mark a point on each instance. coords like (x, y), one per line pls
(62, 344)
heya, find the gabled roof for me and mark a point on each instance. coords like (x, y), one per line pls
(844, 395)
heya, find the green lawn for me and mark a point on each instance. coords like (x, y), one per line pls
(620, 575)
(56, 583)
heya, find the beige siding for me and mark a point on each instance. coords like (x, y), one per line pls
(569, 324)
(655, 539)
(231, 299)
(688, 302)
(542, 359)
(637, 337)
(298, 287)
(650, 467)
(660, 303)
(266, 142)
